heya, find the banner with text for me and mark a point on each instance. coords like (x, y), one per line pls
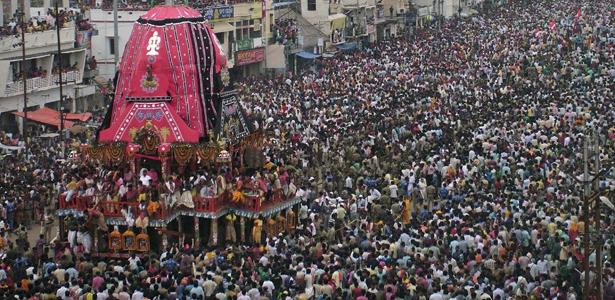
(250, 56)
(218, 12)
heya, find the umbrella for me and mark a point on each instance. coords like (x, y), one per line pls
(78, 129)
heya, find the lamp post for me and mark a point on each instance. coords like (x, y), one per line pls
(116, 39)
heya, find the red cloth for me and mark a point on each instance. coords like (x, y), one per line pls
(177, 57)
(46, 116)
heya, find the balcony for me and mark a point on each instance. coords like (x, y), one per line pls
(358, 31)
(41, 83)
(37, 42)
(353, 4)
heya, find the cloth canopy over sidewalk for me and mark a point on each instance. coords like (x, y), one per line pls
(51, 117)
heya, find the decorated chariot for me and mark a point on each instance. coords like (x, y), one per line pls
(178, 161)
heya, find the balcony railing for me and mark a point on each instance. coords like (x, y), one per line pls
(38, 39)
(113, 209)
(41, 83)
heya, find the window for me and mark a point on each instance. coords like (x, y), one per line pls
(311, 5)
(111, 46)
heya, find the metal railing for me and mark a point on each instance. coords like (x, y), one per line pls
(39, 83)
(211, 204)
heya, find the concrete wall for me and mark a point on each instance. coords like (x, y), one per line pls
(37, 43)
(40, 98)
(319, 17)
(397, 5)
(103, 22)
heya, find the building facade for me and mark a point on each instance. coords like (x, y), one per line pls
(41, 69)
(241, 28)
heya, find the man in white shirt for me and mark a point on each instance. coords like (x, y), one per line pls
(12, 24)
(63, 292)
(393, 191)
(348, 183)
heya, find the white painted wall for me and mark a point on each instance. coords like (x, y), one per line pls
(319, 17)
(102, 20)
(40, 98)
(42, 42)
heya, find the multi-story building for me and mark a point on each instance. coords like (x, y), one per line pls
(429, 9)
(242, 29)
(41, 67)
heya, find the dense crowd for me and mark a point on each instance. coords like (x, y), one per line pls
(286, 30)
(129, 4)
(436, 167)
(41, 22)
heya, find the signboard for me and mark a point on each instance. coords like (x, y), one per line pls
(244, 44)
(247, 57)
(218, 12)
(84, 39)
(231, 124)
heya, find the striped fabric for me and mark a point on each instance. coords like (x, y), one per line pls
(172, 52)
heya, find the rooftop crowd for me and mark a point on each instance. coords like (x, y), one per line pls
(42, 22)
(429, 168)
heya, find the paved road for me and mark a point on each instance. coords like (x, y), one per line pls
(34, 232)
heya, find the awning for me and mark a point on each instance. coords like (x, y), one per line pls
(336, 16)
(307, 55)
(78, 117)
(46, 116)
(222, 27)
(347, 46)
(338, 21)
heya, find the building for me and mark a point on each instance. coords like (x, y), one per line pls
(41, 68)
(429, 9)
(241, 28)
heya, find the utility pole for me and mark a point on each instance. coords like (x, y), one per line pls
(116, 39)
(24, 127)
(61, 81)
(586, 187)
(597, 227)
(592, 194)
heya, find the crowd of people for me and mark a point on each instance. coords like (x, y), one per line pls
(286, 30)
(40, 22)
(434, 167)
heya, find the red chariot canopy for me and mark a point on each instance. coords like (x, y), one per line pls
(169, 76)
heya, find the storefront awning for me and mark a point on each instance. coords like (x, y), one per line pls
(46, 116)
(350, 46)
(78, 117)
(222, 27)
(307, 55)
